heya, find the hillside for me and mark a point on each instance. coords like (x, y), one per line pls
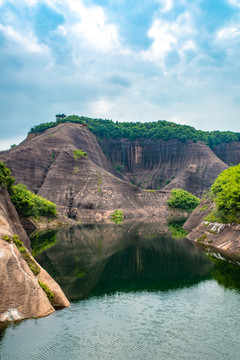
(113, 173)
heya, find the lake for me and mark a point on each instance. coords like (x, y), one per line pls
(136, 293)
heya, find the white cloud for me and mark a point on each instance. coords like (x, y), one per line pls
(234, 2)
(93, 28)
(26, 40)
(229, 32)
(167, 5)
(167, 36)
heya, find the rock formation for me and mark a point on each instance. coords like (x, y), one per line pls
(21, 296)
(155, 164)
(96, 185)
(217, 237)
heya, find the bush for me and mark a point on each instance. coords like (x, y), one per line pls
(117, 216)
(26, 202)
(30, 204)
(78, 154)
(226, 193)
(182, 199)
(5, 177)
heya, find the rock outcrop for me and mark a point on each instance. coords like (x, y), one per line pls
(96, 185)
(223, 239)
(21, 296)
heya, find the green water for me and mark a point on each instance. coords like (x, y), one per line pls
(136, 293)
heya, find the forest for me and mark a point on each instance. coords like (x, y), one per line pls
(160, 129)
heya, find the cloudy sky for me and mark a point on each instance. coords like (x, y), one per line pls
(126, 60)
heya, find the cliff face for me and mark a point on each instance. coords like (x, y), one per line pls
(91, 186)
(21, 296)
(228, 152)
(155, 164)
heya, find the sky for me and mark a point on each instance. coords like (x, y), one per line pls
(125, 60)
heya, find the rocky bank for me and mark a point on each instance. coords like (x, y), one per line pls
(220, 239)
(21, 296)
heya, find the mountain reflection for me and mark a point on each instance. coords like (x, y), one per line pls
(101, 259)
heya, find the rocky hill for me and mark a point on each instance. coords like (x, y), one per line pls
(115, 173)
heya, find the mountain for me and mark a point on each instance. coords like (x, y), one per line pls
(114, 172)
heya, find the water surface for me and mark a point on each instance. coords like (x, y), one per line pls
(136, 293)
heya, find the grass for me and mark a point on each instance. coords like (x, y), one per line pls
(25, 255)
(48, 292)
(99, 182)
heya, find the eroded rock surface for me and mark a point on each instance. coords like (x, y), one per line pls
(222, 238)
(92, 187)
(154, 164)
(21, 296)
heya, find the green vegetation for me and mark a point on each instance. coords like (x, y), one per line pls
(99, 182)
(26, 202)
(118, 167)
(117, 216)
(48, 292)
(30, 204)
(21, 248)
(225, 273)
(76, 170)
(204, 207)
(225, 191)
(202, 239)
(6, 238)
(43, 241)
(183, 200)
(5, 177)
(175, 226)
(78, 154)
(161, 129)
(79, 274)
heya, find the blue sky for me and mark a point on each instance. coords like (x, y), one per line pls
(135, 60)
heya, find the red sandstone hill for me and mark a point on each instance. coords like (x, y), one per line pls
(91, 185)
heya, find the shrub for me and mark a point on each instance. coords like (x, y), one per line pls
(5, 177)
(183, 200)
(117, 216)
(78, 154)
(30, 204)
(6, 238)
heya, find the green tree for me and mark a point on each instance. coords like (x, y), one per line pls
(226, 191)
(182, 199)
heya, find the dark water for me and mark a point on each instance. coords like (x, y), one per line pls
(135, 294)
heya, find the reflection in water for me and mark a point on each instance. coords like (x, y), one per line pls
(129, 263)
(103, 259)
(226, 274)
